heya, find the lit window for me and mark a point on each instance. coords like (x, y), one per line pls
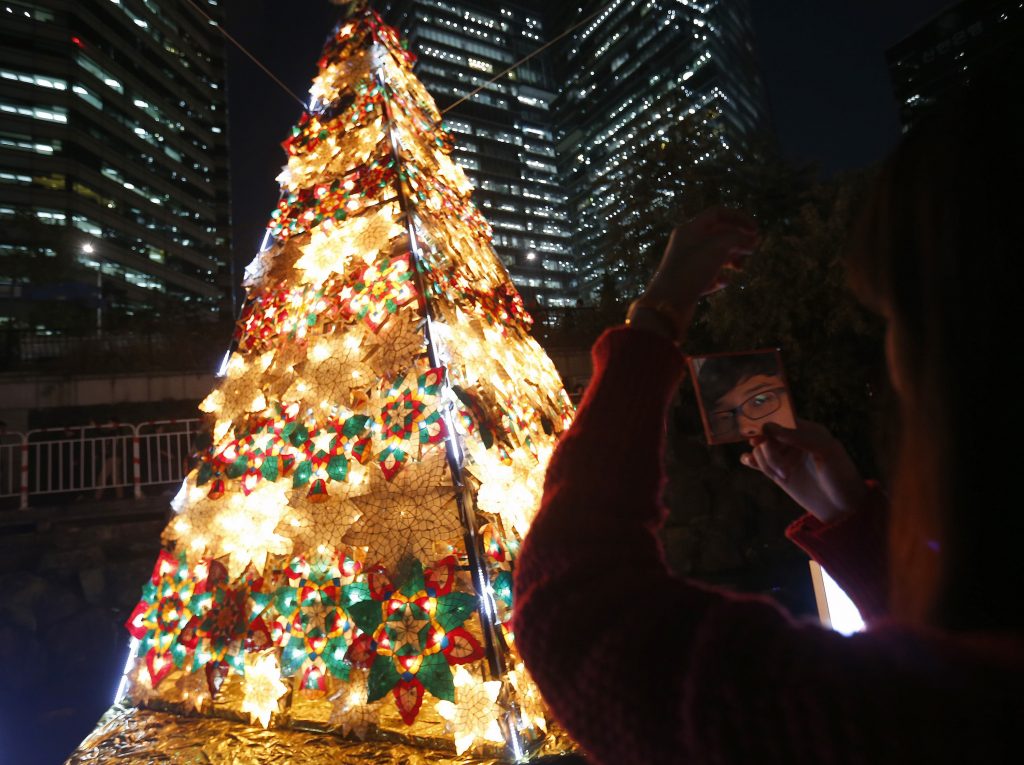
(51, 217)
(18, 178)
(100, 74)
(82, 223)
(46, 114)
(34, 79)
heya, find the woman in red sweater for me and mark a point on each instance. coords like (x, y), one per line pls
(644, 667)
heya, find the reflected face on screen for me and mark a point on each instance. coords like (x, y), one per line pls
(743, 411)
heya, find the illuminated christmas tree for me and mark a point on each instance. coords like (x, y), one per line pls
(341, 557)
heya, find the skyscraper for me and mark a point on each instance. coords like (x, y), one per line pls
(504, 135)
(941, 55)
(628, 76)
(113, 163)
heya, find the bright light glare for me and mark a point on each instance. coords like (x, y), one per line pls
(837, 611)
(123, 685)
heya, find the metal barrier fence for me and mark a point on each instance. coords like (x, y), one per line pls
(109, 459)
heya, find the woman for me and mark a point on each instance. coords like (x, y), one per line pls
(642, 667)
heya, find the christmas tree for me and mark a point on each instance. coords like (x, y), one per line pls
(341, 557)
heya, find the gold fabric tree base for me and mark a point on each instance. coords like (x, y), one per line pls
(130, 736)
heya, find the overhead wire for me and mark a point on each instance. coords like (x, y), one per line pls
(463, 99)
(244, 50)
(526, 58)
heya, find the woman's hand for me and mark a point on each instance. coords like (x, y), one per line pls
(811, 466)
(697, 252)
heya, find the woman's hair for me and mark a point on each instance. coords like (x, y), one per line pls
(720, 374)
(936, 251)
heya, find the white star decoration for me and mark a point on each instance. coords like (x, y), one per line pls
(333, 246)
(245, 528)
(350, 709)
(322, 441)
(408, 515)
(475, 715)
(531, 706)
(194, 690)
(262, 687)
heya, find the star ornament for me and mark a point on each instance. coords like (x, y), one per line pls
(408, 515)
(228, 622)
(380, 290)
(262, 688)
(511, 491)
(528, 697)
(412, 634)
(409, 414)
(475, 715)
(310, 524)
(349, 708)
(329, 250)
(244, 529)
(315, 632)
(162, 614)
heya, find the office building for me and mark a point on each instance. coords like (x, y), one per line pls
(504, 135)
(941, 55)
(628, 76)
(113, 164)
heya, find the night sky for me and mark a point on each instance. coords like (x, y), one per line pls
(828, 87)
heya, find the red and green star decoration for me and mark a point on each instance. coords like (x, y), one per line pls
(412, 634)
(379, 291)
(277, 313)
(314, 629)
(162, 614)
(409, 414)
(328, 451)
(227, 622)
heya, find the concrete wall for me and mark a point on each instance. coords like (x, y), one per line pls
(22, 394)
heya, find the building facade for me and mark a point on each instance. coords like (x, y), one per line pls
(629, 76)
(941, 55)
(114, 202)
(504, 135)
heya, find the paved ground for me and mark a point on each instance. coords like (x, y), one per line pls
(69, 577)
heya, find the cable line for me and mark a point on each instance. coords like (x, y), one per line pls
(448, 108)
(523, 60)
(242, 48)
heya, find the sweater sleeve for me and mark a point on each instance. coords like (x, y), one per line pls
(853, 551)
(642, 667)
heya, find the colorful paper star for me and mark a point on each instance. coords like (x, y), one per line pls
(262, 687)
(474, 716)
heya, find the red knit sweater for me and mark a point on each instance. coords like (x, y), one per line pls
(642, 667)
